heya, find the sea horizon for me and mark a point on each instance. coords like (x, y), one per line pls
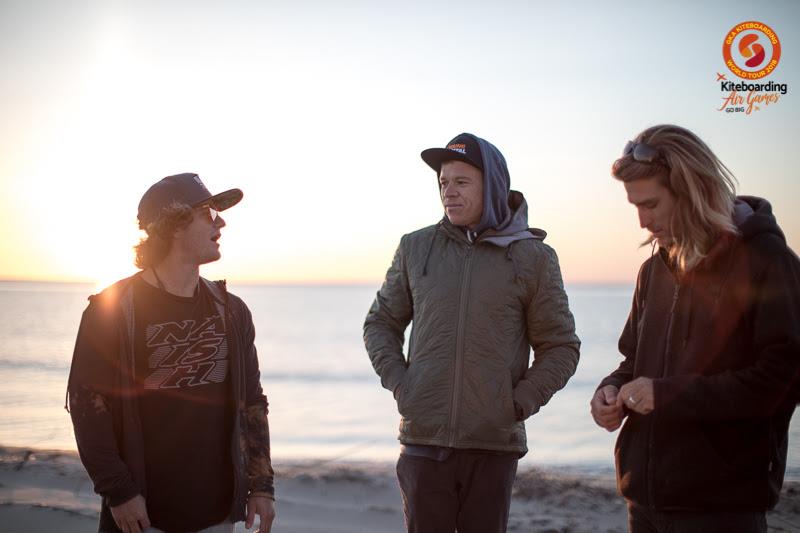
(326, 402)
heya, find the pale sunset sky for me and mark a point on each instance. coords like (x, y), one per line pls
(318, 112)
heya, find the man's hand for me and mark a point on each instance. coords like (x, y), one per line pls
(637, 395)
(262, 506)
(605, 411)
(131, 516)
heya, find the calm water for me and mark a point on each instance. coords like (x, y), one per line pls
(325, 400)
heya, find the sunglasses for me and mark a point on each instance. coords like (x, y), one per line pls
(209, 211)
(641, 152)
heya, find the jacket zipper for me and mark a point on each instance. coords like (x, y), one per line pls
(664, 368)
(128, 334)
(462, 318)
(236, 383)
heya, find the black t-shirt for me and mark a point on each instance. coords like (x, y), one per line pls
(183, 371)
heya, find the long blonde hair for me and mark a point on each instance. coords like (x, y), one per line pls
(704, 190)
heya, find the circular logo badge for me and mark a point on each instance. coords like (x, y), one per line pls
(751, 50)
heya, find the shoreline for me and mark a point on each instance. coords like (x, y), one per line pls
(49, 489)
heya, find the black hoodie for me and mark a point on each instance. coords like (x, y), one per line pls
(722, 346)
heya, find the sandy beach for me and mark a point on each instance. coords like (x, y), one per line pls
(44, 490)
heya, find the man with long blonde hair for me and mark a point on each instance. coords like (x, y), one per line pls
(711, 348)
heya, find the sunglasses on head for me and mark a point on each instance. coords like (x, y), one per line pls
(641, 152)
(209, 211)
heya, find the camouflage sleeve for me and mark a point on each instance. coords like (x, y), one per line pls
(256, 445)
(260, 475)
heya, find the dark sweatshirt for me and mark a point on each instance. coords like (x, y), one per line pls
(722, 345)
(104, 401)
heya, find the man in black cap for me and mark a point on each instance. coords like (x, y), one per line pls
(164, 390)
(481, 289)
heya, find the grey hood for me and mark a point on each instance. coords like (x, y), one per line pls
(496, 187)
(505, 212)
(515, 226)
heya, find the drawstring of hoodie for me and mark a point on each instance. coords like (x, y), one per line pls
(649, 275)
(430, 249)
(690, 278)
(726, 277)
(510, 257)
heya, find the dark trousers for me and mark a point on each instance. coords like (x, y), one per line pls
(643, 520)
(470, 492)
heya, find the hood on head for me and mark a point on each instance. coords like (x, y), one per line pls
(496, 181)
(496, 187)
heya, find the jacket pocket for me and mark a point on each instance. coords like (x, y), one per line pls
(511, 411)
(730, 456)
(403, 393)
(487, 410)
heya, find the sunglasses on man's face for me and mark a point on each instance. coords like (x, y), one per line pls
(208, 211)
(641, 152)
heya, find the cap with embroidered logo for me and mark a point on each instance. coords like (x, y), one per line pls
(184, 189)
(463, 147)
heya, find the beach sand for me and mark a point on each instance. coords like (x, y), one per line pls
(49, 491)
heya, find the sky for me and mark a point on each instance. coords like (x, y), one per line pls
(318, 112)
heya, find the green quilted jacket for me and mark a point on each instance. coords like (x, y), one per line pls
(477, 310)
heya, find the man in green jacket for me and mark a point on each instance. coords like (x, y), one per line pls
(481, 289)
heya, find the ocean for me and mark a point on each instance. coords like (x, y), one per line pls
(326, 402)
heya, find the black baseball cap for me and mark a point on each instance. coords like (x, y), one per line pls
(185, 189)
(463, 147)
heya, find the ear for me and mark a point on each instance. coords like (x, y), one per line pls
(178, 235)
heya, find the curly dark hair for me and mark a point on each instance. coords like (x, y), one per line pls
(153, 248)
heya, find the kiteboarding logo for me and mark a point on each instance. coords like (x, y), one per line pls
(751, 50)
